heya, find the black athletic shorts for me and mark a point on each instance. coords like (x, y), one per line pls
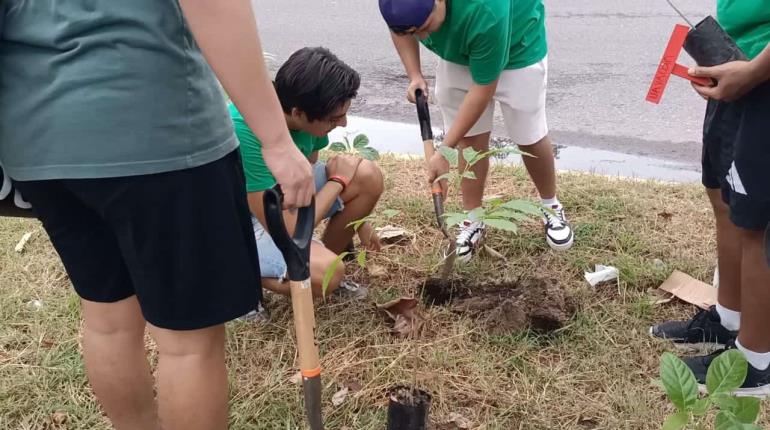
(736, 156)
(181, 241)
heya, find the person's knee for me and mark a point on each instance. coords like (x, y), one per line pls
(370, 178)
(123, 317)
(205, 342)
(721, 210)
(322, 266)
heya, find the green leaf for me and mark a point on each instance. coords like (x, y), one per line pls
(679, 381)
(450, 154)
(724, 401)
(508, 214)
(478, 213)
(390, 213)
(727, 372)
(445, 176)
(360, 141)
(728, 421)
(677, 421)
(338, 147)
(524, 206)
(330, 271)
(469, 175)
(369, 153)
(470, 156)
(452, 218)
(747, 409)
(359, 222)
(701, 407)
(502, 224)
(361, 258)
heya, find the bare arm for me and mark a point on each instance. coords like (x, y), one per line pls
(324, 200)
(471, 109)
(409, 50)
(226, 32)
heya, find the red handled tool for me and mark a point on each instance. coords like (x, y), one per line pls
(669, 66)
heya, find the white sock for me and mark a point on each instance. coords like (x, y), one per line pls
(551, 203)
(730, 319)
(760, 360)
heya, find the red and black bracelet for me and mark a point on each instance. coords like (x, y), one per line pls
(340, 180)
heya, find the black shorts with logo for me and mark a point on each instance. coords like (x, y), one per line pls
(736, 156)
(181, 241)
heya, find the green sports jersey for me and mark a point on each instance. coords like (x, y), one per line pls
(105, 88)
(490, 36)
(258, 176)
(746, 21)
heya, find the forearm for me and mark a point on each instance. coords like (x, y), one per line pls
(325, 198)
(761, 66)
(226, 32)
(471, 109)
(409, 50)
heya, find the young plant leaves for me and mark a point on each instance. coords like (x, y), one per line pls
(450, 154)
(330, 271)
(338, 147)
(360, 141)
(677, 421)
(727, 372)
(678, 381)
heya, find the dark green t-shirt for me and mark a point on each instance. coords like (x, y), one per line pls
(746, 21)
(490, 36)
(258, 176)
(105, 88)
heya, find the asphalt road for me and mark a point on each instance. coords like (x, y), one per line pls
(602, 56)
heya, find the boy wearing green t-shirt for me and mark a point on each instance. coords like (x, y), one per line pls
(490, 50)
(736, 161)
(315, 89)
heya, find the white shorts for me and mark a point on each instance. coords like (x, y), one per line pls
(520, 92)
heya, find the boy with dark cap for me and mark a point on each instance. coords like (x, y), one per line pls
(491, 50)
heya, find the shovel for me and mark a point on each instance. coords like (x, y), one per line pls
(296, 253)
(423, 115)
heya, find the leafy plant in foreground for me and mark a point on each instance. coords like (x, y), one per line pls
(725, 374)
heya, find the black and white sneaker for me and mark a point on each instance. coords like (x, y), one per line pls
(469, 239)
(757, 383)
(558, 232)
(260, 315)
(705, 329)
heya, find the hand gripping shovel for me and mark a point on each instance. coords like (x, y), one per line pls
(296, 252)
(423, 115)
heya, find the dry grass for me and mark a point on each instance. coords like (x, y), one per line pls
(597, 373)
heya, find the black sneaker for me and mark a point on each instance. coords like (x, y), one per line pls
(757, 383)
(704, 328)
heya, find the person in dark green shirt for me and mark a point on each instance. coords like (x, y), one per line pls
(490, 51)
(736, 161)
(315, 89)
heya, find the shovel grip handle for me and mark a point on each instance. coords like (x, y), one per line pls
(423, 114)
(295, 249)
(304, 326)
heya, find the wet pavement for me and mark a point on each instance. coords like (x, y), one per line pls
(603, 54)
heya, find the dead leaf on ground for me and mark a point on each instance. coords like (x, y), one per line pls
(377, 270)
(666, 215)
(405, 314)
(339, 397)
(459, 421)
(296, 379)
(392, 235)
(354, 386)
(48, 344)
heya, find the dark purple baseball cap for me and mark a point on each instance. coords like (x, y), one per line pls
(401, 15)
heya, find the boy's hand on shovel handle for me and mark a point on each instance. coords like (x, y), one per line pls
(437, 166)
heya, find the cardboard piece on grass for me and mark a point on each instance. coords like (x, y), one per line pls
(602, 274)
(405, 314)
(691, 290)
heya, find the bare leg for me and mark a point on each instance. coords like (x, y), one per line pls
(541, 167)
(729, 253)
(320, 261)
(473, 189)
(755, 291)
(116, 363)
(192, 378)
(360, 198)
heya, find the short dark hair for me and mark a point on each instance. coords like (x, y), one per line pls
(316, 82)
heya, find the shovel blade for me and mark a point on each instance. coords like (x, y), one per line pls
(312, 390)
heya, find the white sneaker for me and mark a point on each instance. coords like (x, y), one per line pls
(469, 239)
(558, 232)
